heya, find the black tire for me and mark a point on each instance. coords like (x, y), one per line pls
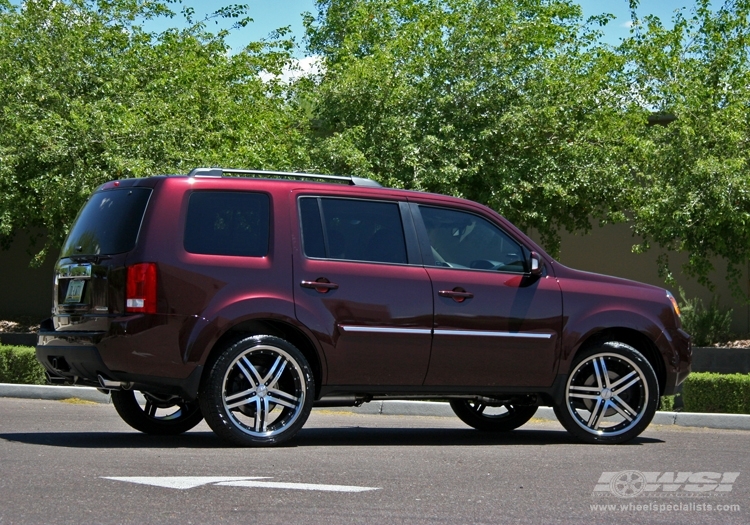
(610, 396)
(165, 416)
(495, 418)
(258, 392)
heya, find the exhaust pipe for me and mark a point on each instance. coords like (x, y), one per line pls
(108, 384)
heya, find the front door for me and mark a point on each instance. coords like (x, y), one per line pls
(360, 287)
(495, 324)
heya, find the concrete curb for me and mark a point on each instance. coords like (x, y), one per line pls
(389, 408)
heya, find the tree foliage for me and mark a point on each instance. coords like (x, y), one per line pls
(506, 102)
(691, 179)
(86, 96)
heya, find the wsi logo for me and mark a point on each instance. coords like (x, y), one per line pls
(631, 483)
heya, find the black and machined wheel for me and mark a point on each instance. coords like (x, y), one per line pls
(611, 394)
(492, 417)
(258, 392)
(160, 415)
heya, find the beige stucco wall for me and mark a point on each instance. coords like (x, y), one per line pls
(608, 250)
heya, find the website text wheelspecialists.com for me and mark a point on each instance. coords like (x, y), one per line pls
(666, 507)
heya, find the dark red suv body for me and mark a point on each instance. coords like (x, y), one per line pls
(246, 300)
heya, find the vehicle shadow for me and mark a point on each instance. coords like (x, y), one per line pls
(312, 437)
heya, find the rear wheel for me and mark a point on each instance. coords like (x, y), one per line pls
(611, 394)
(160, 415)
(492, 417)
(258, 392)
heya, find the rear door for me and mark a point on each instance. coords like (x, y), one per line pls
(361, 288)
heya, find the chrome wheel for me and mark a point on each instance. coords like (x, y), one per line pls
(492, 416)
(258, 392)
(163, 415)
(264, 391)
(610, 395)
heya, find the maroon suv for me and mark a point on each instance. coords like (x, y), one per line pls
(247, 301)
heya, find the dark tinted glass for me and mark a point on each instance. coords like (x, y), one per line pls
(108, 223)
(312, 230)
(464, 240)
(228, 223)
(359, 230)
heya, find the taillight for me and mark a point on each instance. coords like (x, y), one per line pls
(141, 288)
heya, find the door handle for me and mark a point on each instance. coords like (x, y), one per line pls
(319, 286)
(459, 294)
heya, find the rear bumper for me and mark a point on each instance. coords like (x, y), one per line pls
(76, 357)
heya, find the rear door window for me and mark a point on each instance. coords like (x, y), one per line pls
(108, 223)
(352, 229)
(228, 223)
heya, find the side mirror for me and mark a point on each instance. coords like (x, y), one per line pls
(536, 264)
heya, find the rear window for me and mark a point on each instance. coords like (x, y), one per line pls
(108, 223)
(228, 223)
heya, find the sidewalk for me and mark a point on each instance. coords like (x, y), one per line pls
(390, 408)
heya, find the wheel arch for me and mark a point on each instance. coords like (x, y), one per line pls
(630, 337)
(274, 327)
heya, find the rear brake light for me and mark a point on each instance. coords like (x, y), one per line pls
(141, 288)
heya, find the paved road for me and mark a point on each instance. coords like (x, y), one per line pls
(57, 461)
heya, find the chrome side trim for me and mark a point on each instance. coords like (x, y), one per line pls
(385, 330)
(427, 331)
(479, 333)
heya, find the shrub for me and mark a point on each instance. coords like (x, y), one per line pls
(717, 393)
(18, 364)
(706, 325)
(667, 403)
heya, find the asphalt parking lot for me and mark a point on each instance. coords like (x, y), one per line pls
(79, 463)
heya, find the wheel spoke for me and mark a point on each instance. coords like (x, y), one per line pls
(282, 402)
(622, 380)
(278, 374)
(622, 389)
(585, 388)
(624, 405)
(605, 372)
(261, 414)
(150, 408)
(238, 395)
(585, 396)
(620, 411)
(598, 374)
(286, 396)
(596, 414)
(250, 373)
(245, 401)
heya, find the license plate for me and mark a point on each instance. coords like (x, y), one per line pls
(75, 291)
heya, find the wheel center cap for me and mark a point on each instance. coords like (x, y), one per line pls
(606, 394)
(262, 391)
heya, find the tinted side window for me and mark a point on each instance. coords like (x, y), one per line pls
(464, 240)
(108, 223)
(354, 230)
(228, 223)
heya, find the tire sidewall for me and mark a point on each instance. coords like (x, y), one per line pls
(131, 412)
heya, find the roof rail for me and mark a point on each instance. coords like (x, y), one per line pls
(220, 172)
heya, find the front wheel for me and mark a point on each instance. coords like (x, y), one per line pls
(611, 394)
(159, 415)
(492, 417)
(258, 392)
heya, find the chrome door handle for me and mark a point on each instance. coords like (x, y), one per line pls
(319, 286)
(457, 295)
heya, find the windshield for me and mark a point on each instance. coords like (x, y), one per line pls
(108, 223)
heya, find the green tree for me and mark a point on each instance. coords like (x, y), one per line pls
(86, 96)
(510, 103)
(691, 178)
